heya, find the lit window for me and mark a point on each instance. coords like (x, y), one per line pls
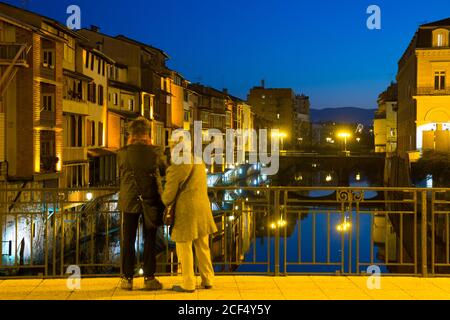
(131, 104)
(439, 80)
(48, 60)
(47, 102)
(440, 40)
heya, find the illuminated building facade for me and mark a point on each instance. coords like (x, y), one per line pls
(423, 92)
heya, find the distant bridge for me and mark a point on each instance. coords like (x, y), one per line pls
(342, 164)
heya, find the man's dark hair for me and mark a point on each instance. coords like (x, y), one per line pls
(139, 127)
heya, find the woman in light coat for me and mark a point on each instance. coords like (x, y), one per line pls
(194, 222)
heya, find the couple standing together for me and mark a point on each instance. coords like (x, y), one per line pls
(141, 166)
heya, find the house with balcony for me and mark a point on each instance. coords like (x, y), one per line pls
(424, 92)
(123, 105)
(144, 68)
(33, 50)
(102, 161)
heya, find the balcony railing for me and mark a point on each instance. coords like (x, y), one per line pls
(8, 52)
(272, 231)
(431, 91)
(74, 154)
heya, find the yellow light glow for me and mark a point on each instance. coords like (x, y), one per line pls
(282, 223)
(344, 227)
(358, 177)
(279, 134)
(273, 226)
(328, 178)
(89, 196)
(344, 135)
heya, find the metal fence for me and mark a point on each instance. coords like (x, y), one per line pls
(261, 230)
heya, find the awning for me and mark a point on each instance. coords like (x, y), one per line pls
(124, 86)
(125, 114)
(77, 75)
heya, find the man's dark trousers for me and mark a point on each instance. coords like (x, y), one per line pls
(130, 225)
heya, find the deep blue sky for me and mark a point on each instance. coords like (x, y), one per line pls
(320, 48)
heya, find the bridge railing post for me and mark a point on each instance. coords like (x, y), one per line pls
(424, 233)
(277, 232)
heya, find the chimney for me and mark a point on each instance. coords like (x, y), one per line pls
(94, 28)
(263, 83)
(99, 46)
(225, 91)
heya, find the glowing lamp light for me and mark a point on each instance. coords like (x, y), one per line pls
(344, 135)
(141, 271)
(273, 226)
(358, 177)
(282, 223)
(231, 218)
(236, 208)
(344, 226)
(89, 196)
(328, 178)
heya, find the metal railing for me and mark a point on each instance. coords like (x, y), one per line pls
(261, 230)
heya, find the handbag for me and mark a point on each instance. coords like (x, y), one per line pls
(169, 211)
(152, 212)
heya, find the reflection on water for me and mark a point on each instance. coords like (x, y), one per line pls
(313, 238)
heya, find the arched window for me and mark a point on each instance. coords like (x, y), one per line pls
(441, 38)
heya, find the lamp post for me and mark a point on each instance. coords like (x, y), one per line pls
(344, 135)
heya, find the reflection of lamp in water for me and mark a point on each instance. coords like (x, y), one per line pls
(344, 226)
(281, 223)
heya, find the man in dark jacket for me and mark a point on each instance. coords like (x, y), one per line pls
(140, 167)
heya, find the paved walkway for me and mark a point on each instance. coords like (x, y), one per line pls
(236, 288)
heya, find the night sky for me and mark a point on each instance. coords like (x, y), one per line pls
(320, 48)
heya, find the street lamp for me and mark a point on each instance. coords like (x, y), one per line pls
(344, 135)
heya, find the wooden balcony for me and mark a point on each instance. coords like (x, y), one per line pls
(74, 154)
(13, 53)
